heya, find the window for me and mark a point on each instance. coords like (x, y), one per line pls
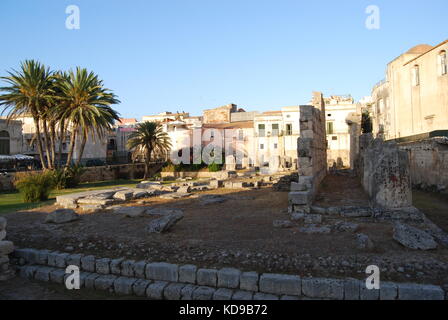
(212, 134)
(275, 145)
(330, 128)
(334, 138)
(241, 135)
(416, 75)
(275, 131)
(261, 130)
(289, 129)
(261, 146)
(4, 143)
(443, 67)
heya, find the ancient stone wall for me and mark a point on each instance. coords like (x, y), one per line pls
(6, 247)
(385, 173)
(312, 155)
(428, 163)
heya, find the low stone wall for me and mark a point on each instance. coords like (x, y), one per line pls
(196, 175)
(428, 163)
(6, 182)
(6, 247)
(386, 173)
(312, 153)
(159, 280)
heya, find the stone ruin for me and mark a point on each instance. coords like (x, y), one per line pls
(312, 155)
(6, 247)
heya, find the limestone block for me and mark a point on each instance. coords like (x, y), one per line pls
(28, 272)
(29, 255)
(140, 269)
(162, 271)
(367, 294)
(410, 291)
(88, 263)
(352, 289)
(155, 290)
(207, 277)
(74, 260)
(223, 294)
(323, 288)
(115, 266)
(105, 282)
(203, 293)
(43, 273)
(89, 280)
(187, 273)
(127, 268)
(242, 295)
(173, 291)
(280, 284)
(265, 296)
(313, 218)
(124, 285)
(249, 281)
(61, 260)
(57, 276)
(52, 258)
(139, 287)
(187, 292)
(299, 198)
(388, 291)
(229, 278)
(124, 195)
(103, 266)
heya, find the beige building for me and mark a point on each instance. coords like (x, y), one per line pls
(413, 99)
(10, 137)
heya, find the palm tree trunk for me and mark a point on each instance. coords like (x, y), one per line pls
(72, 147)
(47, 143)
(147, 163)
(81, 150)
(62, 136)
(53, 143)
(39, 143)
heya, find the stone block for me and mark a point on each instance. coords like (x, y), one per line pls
(299, 198)
(410, 291)
(207, 277)
(88, 280)
(229, 278)
(124, 285)
(203, 293)
(57, 276)
(155, 290)
(162, 271)
(367, 294)
(173, 291)
(388, 291)
(88, 263)
(313, 218)
(265, 296)
(286, 297)
(41, 257)
(323, 288)
(74, 260)
(43, 273)
(127, 268)
(27, 272)
(243, 295)
(115, 266)
(352, 289)
(140, 269)
(61, 260)
(187, 273)
(139, 287)
(249, 281)
(223, 294)
(280, 284)
(52, 258)
(105, 282)
(29, 255)
(187, 292)
(297, 187)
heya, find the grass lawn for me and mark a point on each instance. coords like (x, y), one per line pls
(10, 202)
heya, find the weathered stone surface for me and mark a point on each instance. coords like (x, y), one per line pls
(313, 229)
(280, 284)
(74, 260)
(105, 282)
(57, 276)
(3, 224)
(203, 293)
(286, 297)
(140, 269)
(173, 291)
(249, 281)
(229, 278)
(282, 224)
(242, 295)
(187, 292)
(313, 218)
(115, 266)
(62, 216)
(52, 258)
(187, 273)
(162, 271)
(89, 280)
(88, 263)
(43, 273)
(123, 285)
(212, 199)
(124, 195)
(363, 241)
(164, 223)
(265, 296)
(388, 291)
(184, 189)
(367, 294)
(28, 272)
(215, 184)
(323, 288)
(410, 291)
(130, 212)
(207, 277)
(103, 266)
(299, 198)
(6, 247)
(61, 260)
(139, 287)
(413, 238)
(352, 289)
(29, 255)
(223, 294)
(343, 226)
(91, 208)
(298, 216)
(356, 212)
(155, 290)
(127, 268)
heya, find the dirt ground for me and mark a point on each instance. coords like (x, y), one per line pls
(239, 233)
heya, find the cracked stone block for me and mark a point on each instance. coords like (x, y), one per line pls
(61, 260)
(162, 271)
(265, 296)
(74, 260)
(127, 268)
(139, 287)
(203, 293)
(28, 272)
(410, 291)
(367, 294)
(140, 269)
(115, 266)
(229, 278)
(103, 266)
(249, 281)
(41, 257)
(123, 285)
(155, 290)
(323, 288)
(57, 276)
(299, 198)
(207, 277)
(43, 274)
(243, 295)
(280, 284)
(105, 282)
(352, 289)
(187, 292)
(223, 294)
(388, 291)
(52, 258)
(89, 280)
(173, 291)
(88, 263)
(187, 273)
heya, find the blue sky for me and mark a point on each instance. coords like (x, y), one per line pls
(189, 55)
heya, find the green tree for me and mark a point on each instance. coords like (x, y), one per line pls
(147, 140)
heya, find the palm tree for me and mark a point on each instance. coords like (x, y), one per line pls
(148, 139)
(29, 91)
(86, 107)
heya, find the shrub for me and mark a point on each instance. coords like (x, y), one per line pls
(214, 167)
(67, 177)
(35, 187)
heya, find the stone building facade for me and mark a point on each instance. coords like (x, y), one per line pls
(10, 137)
